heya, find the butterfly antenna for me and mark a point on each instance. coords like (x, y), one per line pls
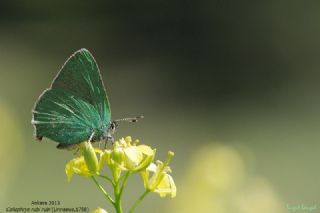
(135, 119)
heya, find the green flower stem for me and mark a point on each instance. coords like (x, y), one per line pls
(103, 191)
(138, 201)
(117, 195)
(107, 178)
(124, 182)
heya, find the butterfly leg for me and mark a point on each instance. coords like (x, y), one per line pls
(77, 152)
(108, 139)
(91, 136)
(105, 145)
(99, 144)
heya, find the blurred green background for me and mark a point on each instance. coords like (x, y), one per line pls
(232, 87)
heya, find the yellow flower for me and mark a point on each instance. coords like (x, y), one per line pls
(160, 181)
(77, 166)
(99, 210)
(131, 157)
(85, 165)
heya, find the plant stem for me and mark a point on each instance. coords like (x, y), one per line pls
(103, 191)
(124, 183)
(117, 195)
(107, 178)
(138, 201)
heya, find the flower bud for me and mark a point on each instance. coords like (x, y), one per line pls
(90, 157)
(117, 156)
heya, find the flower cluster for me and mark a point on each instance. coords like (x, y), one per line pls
(125, 157)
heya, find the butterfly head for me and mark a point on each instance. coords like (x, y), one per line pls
(113, 126)
(111, 129)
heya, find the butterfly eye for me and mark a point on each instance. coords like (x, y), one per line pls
(113, 126)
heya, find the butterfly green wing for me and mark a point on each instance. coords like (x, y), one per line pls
(80, 75)
(76, 105)
(64, 117)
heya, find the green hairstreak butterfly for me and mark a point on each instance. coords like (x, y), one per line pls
(75, 108)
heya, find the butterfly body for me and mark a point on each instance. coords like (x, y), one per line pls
(75, 108)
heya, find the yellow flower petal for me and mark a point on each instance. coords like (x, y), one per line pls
(132, 157)
(166, 186)
(77, 166)
(69, 170)
(152, 168)
(144, 163)
(128, 140)
(146, 150)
